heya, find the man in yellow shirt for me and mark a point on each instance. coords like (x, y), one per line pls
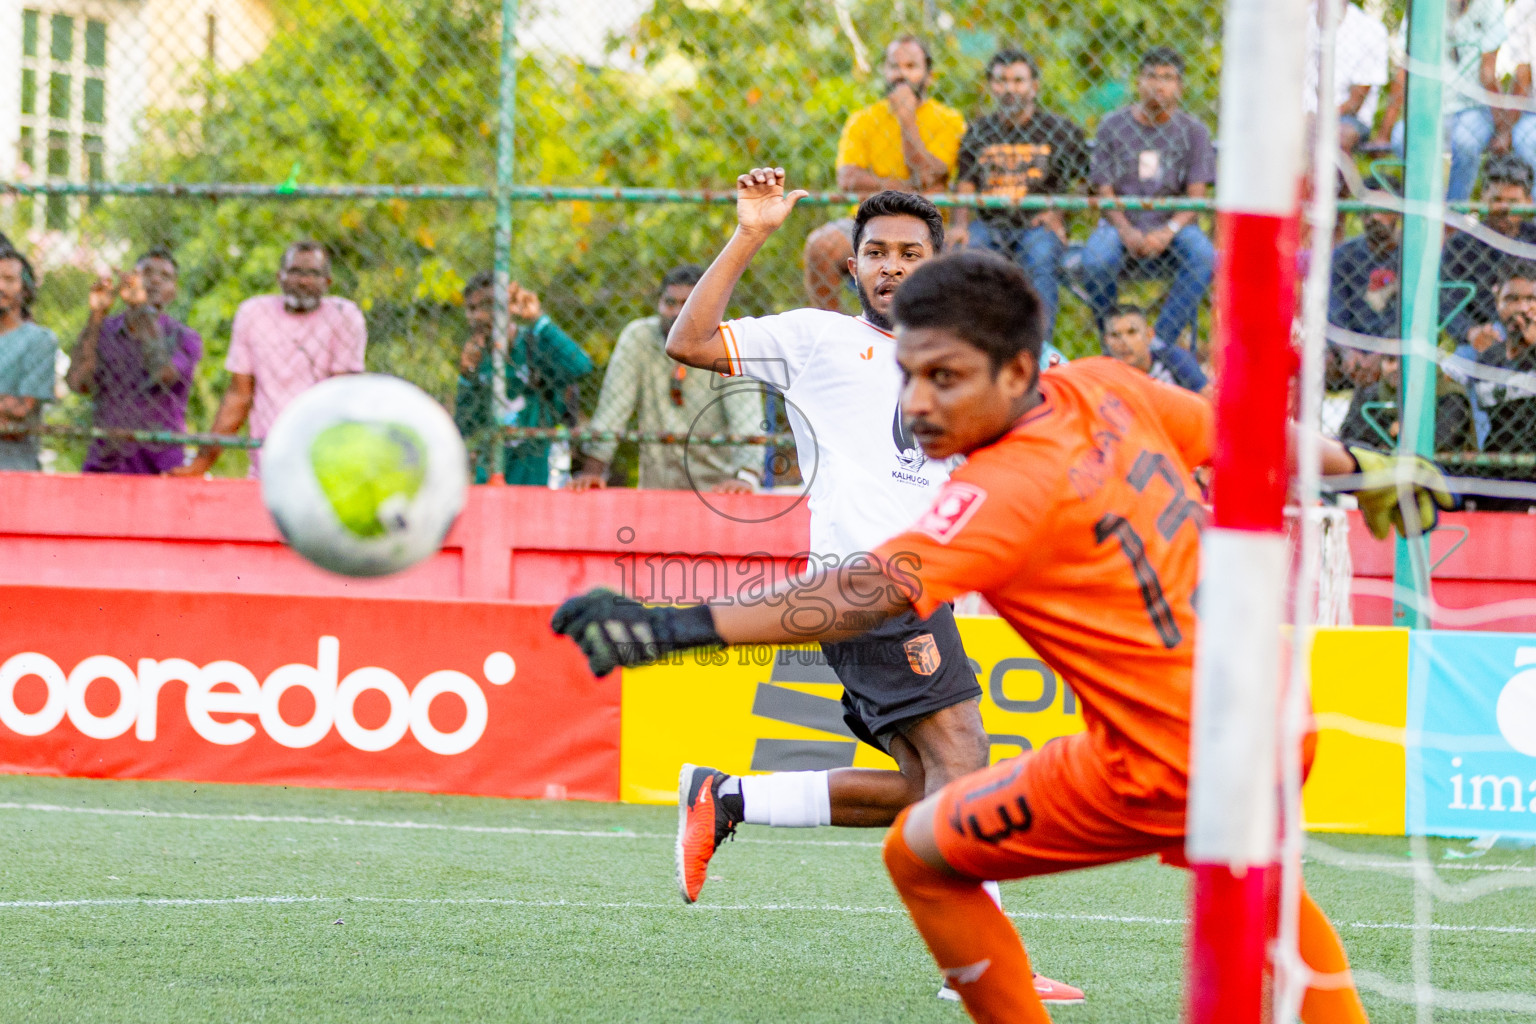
(907, 141)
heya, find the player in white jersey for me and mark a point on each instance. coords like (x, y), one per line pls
(909, 689)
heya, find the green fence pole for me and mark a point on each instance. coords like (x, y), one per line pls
(506, 138)
(1424, 185)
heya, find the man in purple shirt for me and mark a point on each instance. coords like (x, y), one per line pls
(138, 365)
(1152, 149)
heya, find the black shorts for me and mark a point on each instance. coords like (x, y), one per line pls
(904, 669)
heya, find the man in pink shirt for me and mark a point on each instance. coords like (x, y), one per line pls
(281, 345)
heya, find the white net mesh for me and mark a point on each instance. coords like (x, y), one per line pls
(1463, 896)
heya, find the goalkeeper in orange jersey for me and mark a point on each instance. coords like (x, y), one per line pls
(1077, 517)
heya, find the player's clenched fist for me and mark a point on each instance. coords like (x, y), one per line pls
(761, 205)
(613, 630)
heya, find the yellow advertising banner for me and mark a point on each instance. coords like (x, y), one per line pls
(779, 709)
(1360, 699)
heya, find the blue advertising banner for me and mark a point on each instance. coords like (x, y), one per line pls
(1471, 734)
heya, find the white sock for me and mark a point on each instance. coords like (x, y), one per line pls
(786, 799)
(995, 892)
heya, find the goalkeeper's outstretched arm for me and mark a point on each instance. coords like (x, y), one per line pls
(614, 631)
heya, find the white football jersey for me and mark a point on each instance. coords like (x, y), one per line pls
(869, 479)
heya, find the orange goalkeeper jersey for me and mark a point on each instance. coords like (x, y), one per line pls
(1081, 526)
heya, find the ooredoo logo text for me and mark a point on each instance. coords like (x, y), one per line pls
(229, 688)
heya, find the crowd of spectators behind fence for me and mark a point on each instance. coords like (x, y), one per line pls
(137, 365)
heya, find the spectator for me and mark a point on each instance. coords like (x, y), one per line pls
(1519, 52)
(1018, 150)
(1152, 149)
(26, 363)
(1473, 322)
(908, 141)
(1363, 290)
(1372, 420)
(1469, 259)
(1475, 30)
(1510, 396)
(542, 363)
(282, 345)
(1361, 48)
(138, 365)
(1128, 337)
(670, 398)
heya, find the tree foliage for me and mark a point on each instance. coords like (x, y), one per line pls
(406, 93)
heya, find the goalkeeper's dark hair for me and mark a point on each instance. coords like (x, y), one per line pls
(979, 296)
(891, 203)
(28, 279)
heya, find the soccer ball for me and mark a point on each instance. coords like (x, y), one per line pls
(364, 474)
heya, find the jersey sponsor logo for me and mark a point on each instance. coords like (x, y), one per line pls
(867, 354)
(923, 654)
(956, 505)
(908, 453)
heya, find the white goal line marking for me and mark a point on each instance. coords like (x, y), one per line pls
(1428, 995)
(821, 908)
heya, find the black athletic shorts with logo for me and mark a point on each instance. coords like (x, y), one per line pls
(904, 669)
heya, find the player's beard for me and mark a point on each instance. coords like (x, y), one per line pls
(875, 317)
(300, 303)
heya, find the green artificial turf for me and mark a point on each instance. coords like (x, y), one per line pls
(539, 911)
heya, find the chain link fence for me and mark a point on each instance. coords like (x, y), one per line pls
(211, 135)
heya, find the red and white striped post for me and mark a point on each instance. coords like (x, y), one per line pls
(1233, 814)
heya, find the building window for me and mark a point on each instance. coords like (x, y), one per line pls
(58, 154)
(62, 129)
(62, 37)
(95, 100)
(95, 151)
(29, 33)
(58, 95)
(96, 44)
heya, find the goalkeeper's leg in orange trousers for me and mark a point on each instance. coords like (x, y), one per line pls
(980, 952)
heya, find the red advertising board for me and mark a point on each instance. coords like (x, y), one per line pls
(437, 696)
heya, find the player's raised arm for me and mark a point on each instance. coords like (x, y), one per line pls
(761, 207)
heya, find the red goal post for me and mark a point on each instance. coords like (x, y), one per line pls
(1233, 823)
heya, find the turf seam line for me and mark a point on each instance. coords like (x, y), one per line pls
(404, 825)
(407, 825)
(825, 908)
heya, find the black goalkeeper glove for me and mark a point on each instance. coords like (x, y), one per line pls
(1378, 495)
(613, 630)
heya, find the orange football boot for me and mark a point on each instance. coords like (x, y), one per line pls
(703, 823)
